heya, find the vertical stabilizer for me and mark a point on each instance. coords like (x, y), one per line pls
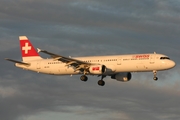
(27, 49)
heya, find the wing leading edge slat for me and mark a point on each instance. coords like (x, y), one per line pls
(77, 64)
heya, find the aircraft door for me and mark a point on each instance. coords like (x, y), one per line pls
(119, 60)
(152, 58)
(39, 65)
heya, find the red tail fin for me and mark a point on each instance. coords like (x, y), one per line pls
(27, 49)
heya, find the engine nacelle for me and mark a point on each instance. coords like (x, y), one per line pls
(123, 77)
(97, 69)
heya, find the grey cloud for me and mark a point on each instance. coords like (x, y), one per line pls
(37, 93)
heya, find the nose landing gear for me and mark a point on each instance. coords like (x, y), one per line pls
(155, 73)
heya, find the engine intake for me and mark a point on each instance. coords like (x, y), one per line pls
(123, 77)
(97, 69)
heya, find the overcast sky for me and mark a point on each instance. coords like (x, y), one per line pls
(82, 28)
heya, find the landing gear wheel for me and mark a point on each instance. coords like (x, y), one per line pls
(155, 73)
(84, 78)
(101, 83)
(155, 78)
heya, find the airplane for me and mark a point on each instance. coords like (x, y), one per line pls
(118, 67)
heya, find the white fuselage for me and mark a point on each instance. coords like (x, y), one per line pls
(114, 64)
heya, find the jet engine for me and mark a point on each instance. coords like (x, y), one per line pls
(123, 77)
(97, 69)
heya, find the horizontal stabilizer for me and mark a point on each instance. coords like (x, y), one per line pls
(15, 61)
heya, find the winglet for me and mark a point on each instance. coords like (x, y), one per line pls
(39, 50)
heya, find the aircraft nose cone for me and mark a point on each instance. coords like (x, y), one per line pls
(172, 64)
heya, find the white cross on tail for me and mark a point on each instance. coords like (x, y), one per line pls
(26, 48)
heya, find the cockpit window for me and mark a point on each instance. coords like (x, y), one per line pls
(162, 58)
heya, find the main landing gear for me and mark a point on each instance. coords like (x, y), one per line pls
(84, 78)
(155, 73)
(100, 82)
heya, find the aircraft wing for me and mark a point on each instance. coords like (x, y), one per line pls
(77, 64)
